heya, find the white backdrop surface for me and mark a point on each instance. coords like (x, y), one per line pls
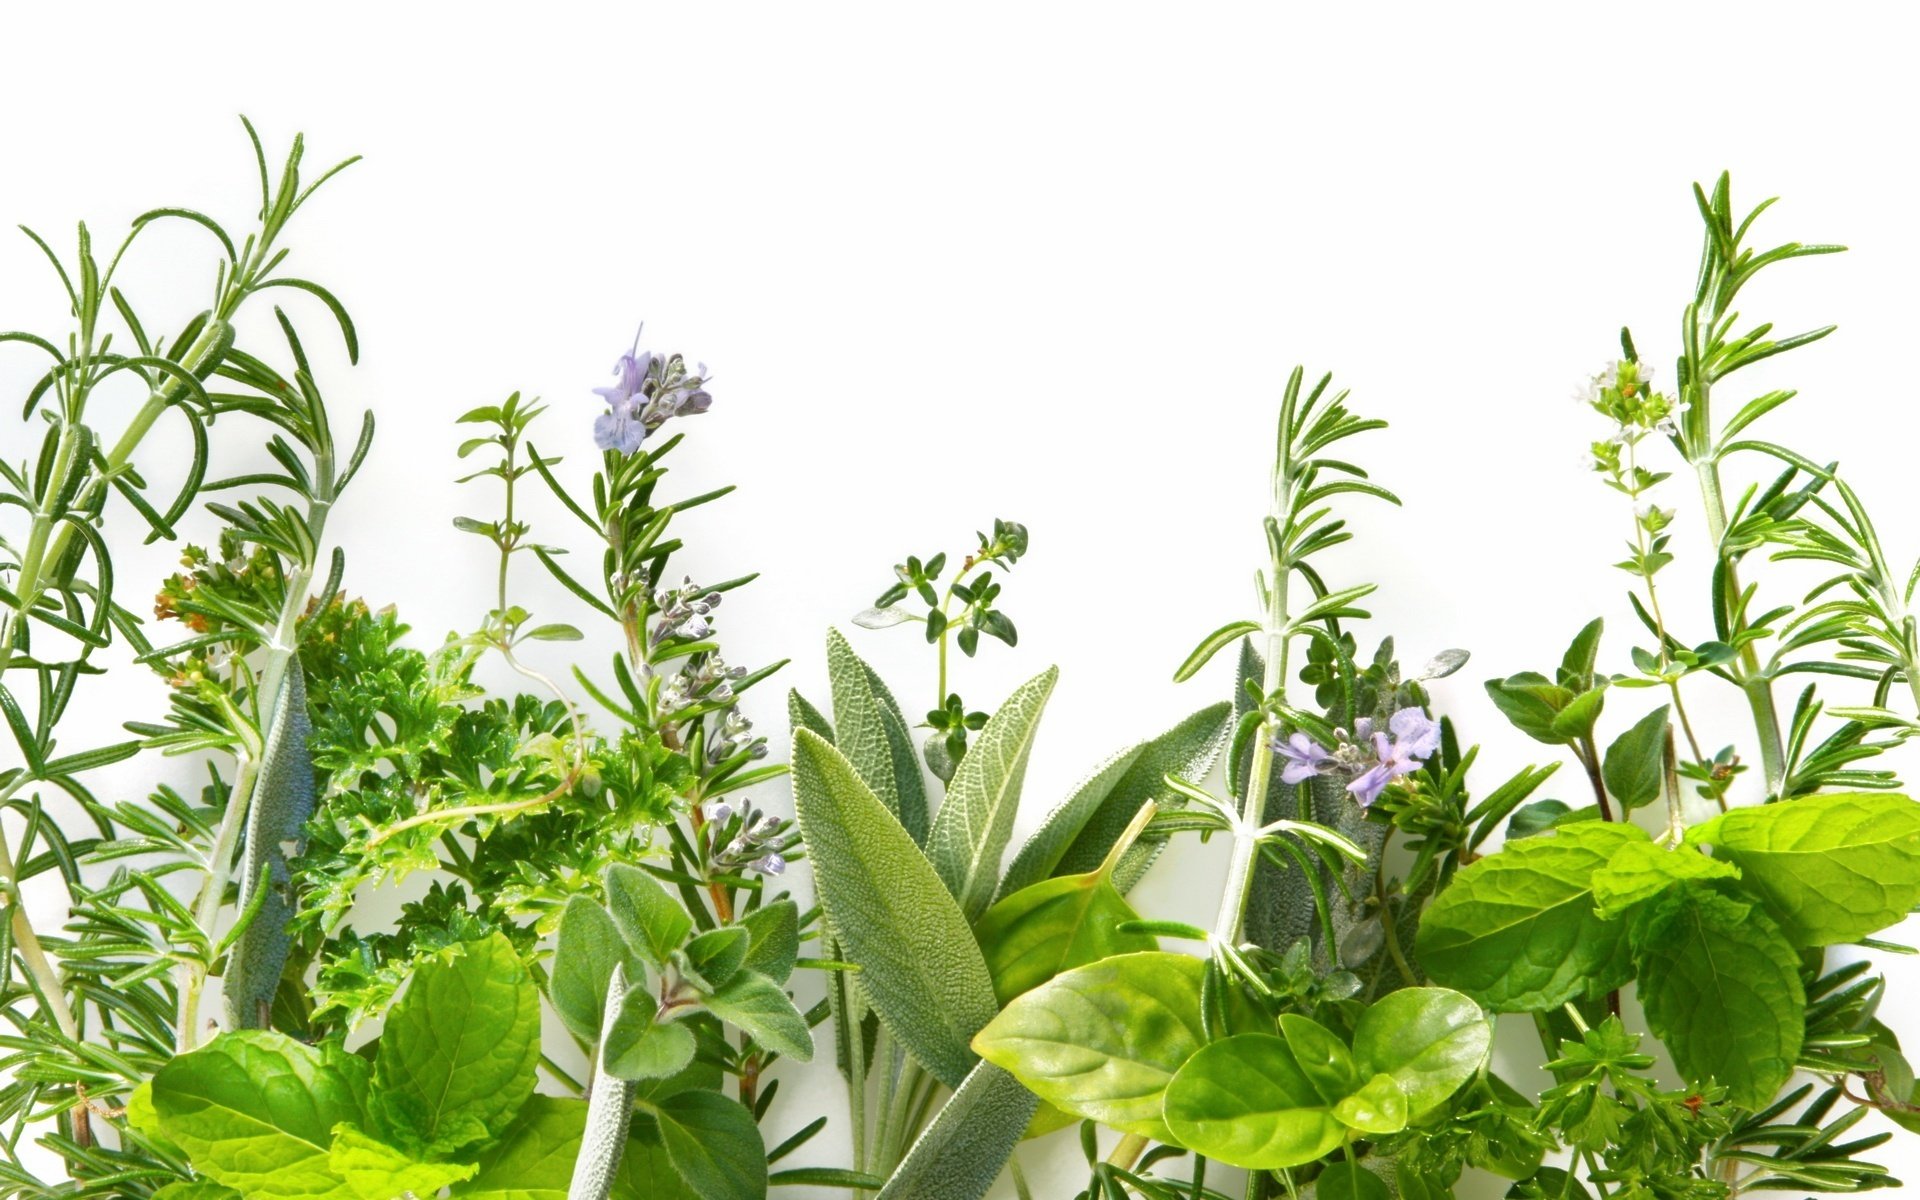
(1050, 263)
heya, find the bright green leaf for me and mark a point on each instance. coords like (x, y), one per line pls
(1641, 870)
(1245, 1101)
(1721, 987)
(1517, 930)
(1101, 1041)
(1832, 868)
(377, 1171)
(1430, 1040)
(256, 1110)
(457, 1058)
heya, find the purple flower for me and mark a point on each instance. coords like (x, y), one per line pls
(1413, 738)
(649, 390)
(770, 863)
(1305, 757)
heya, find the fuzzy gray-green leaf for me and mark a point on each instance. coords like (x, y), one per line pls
(965, 1147)
(975, 821)
(282, 802)
(890, 913)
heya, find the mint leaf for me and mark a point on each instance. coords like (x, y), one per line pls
(1639, 871)
(1832, 869)
(256, 1110)
(457, 1058)
(1721, 987)
(1517, 930)
(377, 1171)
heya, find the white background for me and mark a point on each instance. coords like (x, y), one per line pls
(1051, 264)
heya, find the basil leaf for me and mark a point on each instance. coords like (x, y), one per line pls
(457, 1058)
(1054, 926)
(1245, 1101)
(1721, 987)
(975, 821)
(1832, 869)
(256, 1110)
(1517, 930)
(889, 912)
(967, 1144)
(1101, 1041)
(1430, 1040)
(1349, 1181)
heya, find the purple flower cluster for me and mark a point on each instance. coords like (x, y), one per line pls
(1374, 758)
(650, 389)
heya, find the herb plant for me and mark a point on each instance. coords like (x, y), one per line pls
(223, 1014)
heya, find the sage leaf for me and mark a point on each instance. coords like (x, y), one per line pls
(801, 714)
(870, 730)
(1721, 987)
(651, 920)
(457, 1058)
(255, 1111)
(967, 1144)
(1076, 836)
(377, 1171)
(713, 1143)
(920, 967)
(1101, 1041)
(1639, 871)
(282, 803)
(1635, 764)
(975, 821)
(1245, 1101)
(751, 1002)
(1517, 930)
(1832, 869)
(1429, 1040)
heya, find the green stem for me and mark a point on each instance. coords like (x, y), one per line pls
(49, 537)
(1753, 682)
(1127, 1150)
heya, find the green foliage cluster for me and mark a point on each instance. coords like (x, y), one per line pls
(592, 848)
